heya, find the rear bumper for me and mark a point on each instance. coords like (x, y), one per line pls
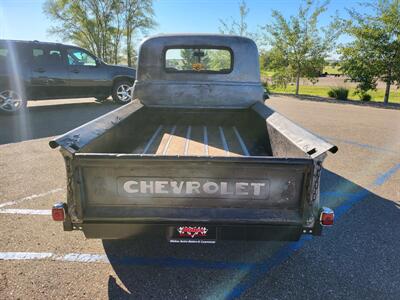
(229, 224)
(224, 231)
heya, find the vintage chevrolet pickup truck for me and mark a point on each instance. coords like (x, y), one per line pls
(196, 156)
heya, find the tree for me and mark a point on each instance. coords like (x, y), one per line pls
(219, 60)
(138, 16)
(194, 57)
(100, 25)
(188, 59)
(299, 44)
(117, 31)
(83, 22)
(234, 27)
(264, 59)
(374, 54)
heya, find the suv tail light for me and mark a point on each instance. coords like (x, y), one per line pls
(58, 211)
(327, 216)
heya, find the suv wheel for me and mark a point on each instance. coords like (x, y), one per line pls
(122, 92)
(11, 102)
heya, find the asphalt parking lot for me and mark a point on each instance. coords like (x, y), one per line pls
(358, 258)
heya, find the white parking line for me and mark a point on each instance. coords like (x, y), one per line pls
(79, 257)
(70, 257)
(9, 203)
(125, 260)
(12, 211)
(24, 255)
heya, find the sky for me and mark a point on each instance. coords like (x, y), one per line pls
(24, 19)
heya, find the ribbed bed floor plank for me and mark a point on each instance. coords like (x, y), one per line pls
(194, 141)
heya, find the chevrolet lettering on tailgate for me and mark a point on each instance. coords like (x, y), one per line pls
(196, 187)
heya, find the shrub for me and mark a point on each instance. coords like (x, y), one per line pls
(266, 87)
(331, 93)
(339, 93)
(365, 97)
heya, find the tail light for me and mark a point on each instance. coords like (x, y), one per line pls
(58, 211)
(327, 216)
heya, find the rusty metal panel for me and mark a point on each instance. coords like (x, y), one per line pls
(123, 182)
(78, 138)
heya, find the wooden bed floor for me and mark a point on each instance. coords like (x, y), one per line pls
(194, 141)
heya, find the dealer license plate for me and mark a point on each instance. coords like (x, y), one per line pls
(192, 234)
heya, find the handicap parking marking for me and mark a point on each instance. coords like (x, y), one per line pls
(31, 197)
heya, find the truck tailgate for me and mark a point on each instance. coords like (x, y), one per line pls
(146, 188)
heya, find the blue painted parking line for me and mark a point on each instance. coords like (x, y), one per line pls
(263, 268)
(386, 176)
(361, 145)
(335, 194)
(180, 262)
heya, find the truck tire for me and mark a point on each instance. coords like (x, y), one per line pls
(121, 93)
(11, 102)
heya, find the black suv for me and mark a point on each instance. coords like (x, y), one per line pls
(37, 71)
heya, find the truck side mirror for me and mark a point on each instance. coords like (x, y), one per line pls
(265, 96)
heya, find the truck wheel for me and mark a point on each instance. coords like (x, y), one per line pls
(11, 102)
(122, 92)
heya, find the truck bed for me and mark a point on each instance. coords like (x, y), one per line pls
(138, 167)
(166, 132)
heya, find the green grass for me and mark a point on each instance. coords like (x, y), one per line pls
(322, 91)
(332, 70)
(266, 73)
(328, 69)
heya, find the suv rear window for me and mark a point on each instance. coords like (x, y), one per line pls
(198, 60)
(47, 56)
(3, 54)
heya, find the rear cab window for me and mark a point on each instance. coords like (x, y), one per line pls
(198, 60)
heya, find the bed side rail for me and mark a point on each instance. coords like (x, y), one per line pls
(289, 139)
(78, 138)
